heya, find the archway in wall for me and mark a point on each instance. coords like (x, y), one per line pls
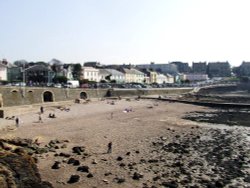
(48, 96)
(83, 95)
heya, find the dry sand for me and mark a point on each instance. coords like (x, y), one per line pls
(92, 126)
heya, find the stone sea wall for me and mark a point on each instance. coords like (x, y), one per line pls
(17, 96)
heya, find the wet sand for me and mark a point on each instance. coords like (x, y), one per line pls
(141, 156)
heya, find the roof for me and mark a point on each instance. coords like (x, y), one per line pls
(115, 72)
(38, 67)
(132, 71)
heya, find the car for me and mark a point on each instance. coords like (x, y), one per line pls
(58, 85)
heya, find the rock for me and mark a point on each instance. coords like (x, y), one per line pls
(106, 181)
(219, 184)
(78, 149)
(74, 179)
(76, 163)
(56, 165)
(137, 151)
(122, 164)
(62, 154)
(71, 161)
(153, 160)
(90, 175)
(64, 146)
(83, 169)
(128, 153)
(119, 158)
(19, 170)
(94, 161)
(171, 184)
(156, 178)
(119, 180)
(137, 176)
(56, 147)
(107, 174)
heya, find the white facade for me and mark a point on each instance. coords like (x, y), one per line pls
(118, 76)
(3, 72)
(170, 79)
(161, 78)
(90, 73)
(133, 75)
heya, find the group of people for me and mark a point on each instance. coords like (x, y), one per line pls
(51, 115)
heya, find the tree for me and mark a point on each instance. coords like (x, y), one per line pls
(21, 63)
(77, 71)
(60, 79)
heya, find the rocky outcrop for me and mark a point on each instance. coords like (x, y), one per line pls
(18, 167)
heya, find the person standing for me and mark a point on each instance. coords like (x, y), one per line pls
(40, 119)
(41, 109)
(109, 147)
(17, 122)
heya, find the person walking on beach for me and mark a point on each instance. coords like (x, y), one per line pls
(41, 109)
(40, 119)
(17, 122)
(109, 147)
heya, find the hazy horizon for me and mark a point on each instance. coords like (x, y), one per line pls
(126, 31)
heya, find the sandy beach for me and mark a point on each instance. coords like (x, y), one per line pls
(152, 146)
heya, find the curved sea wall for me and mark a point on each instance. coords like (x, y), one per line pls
(16, 96)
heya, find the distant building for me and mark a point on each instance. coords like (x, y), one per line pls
(133, 75)
(219, 69)
(38, 73)
(150, 75)
(90, 73)
(182, 67)
(118, 76)
(161, 79)
(103, 75)
(194, 77)
(199, 67)
(68, 71)
(161, 68)
(3, 71)
(94, 64)
(244, 69)
(170, 78)
(14, 73)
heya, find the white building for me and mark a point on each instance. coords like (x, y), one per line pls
(118, 76)
(133, 75)
(161, 78)
(3, 71)
(170, 79)
(90, 73)
(194, 77)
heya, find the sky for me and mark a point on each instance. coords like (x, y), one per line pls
(125, 31)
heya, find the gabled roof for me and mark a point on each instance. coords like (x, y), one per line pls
(132, 71)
